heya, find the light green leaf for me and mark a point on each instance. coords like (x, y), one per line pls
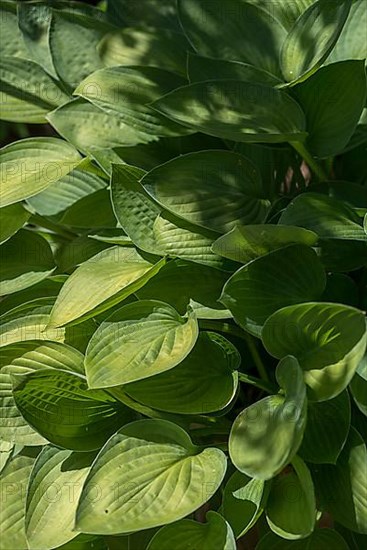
(104, 280)
(213, 189)
(216, 533)
(329, 340)
(283, 277)
(30, 165)
(205, 381)
(6, 452)
(322, 539)
(12, 43)
(246, 243)
(340, 90)
(343, 487)
(217, 29)
(76, 417)
(201, 68)
(358, 386)
(174, 479)
(53, 492)
(291, 505)
(327, 430)
(26, 259)
(13, 483)
(312, 38)
(139, 340)
(352, 41)
(12, 218)
(266, 436)
(243, 502)
(235, 110)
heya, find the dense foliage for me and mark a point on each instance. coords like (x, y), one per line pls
(183, 275)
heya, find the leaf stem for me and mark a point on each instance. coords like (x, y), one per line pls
(308, 158)
(257, 382)
(40, 221)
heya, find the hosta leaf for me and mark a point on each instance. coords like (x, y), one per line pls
(139, 340)
(74, 253)
(322, 539)
(6, 452)
(173, 479)
(126, 92)
(203, 382)
(12, 43)
(312, 38)
(286, 12)
(77, 418)
(235, 110)
(87, 542)
(327, 430)
(351, 43)
(26, 259)
(342, 488)
(216, 29)
(283, 277)
(54, 488)
(266, 436)
(13, 482)
(30, 165)
(291, 505)
(329, 340)
(147, 13)
(246, 243)
(213, 189)
(201, 68)
(93, 210)
(358, 386)
(12, 218)
(102, 281)
(340, 90)
(192, 534)
(28, 93)
(341, 288)
(243, 502)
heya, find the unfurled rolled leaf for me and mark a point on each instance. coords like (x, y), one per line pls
(103, 281)
(50, 519)
(13, 217)
(329, 340)
(30, 165)
(60, 407)
(322, 539)
(313, 37)
(213, 189)
(291, 506)
(235, 110)
(139, 340)
(174, 479)
(205, 381)
(185, 533)
(266, 435)
(26, 259)
(286, 276)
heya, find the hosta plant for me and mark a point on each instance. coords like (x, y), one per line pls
(183, 275)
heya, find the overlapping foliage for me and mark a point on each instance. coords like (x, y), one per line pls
(183, 278)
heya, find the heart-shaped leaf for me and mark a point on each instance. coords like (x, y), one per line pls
(139, 340)
(174, 479)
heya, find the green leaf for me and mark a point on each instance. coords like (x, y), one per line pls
(13, 217)
(243, 502)
(137, 341)
(343, 487)
(77, 418)
(192, 534)
(205, 381)
(217, 29)
(30, 165)
(327, 430)
(104, 280)
(342, 289)
(201, 68)
(312, 38)
(358, 386)
(246, 243)
(235, 110)
(340, 90)
(213, 189)
(322, 539)
(329, 340)
(283, 277)
(174, 479)
(6, 453)
(286, 12)
(266, 435)
(13, 483)
(351, 43)
(291, 505)
(93, 210)
(12, 43)
(25, 259)
(147, 13)
(53, 492)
